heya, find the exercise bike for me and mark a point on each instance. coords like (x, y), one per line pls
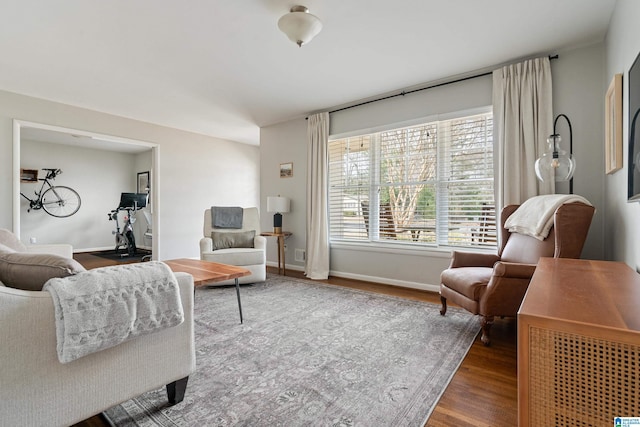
(125, 240)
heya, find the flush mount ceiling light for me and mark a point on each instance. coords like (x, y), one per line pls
(299, 25)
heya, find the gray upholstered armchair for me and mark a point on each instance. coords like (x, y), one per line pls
(242, 247)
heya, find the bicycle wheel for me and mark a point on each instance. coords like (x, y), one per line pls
(131, 248)
(60, 201)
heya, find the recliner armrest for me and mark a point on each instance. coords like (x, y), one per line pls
(506, 289)
(514, 270)
(472, 259)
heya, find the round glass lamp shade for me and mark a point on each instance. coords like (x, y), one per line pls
(299, 25)
(555, 164)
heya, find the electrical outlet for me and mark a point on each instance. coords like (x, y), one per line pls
(33, 240)
(285, 246)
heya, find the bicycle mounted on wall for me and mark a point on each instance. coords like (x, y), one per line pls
(129, 202)
(57, 200)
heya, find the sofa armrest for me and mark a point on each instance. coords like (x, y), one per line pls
(260, 242)
(472, 259)
(61, 249)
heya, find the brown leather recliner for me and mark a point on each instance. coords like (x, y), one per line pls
(494, 285)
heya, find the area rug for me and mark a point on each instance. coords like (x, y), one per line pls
(310, 354)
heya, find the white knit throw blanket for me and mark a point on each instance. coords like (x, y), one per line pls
(535, 216)
(104, 307)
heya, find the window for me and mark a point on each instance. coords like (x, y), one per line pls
(429, 184)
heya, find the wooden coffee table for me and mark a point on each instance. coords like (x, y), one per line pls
(205, 272)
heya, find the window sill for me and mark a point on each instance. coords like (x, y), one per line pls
(404, 249)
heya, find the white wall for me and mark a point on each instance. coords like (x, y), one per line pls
(110, 174)
(460, 96)
(194, 171)
(622, 227)
(285, 143)
(577, 77)
(577, 93)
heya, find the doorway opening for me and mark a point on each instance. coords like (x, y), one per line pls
(100, 167)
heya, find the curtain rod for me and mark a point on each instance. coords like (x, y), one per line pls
(403, 93)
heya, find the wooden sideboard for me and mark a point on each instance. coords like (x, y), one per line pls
(579, 344)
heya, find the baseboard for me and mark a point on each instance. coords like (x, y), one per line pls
(372, 279)
(288, 267)
(387, 281)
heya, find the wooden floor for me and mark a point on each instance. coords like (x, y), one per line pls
(482, 393)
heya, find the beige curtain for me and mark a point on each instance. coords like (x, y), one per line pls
(317, 263)
(523, 120)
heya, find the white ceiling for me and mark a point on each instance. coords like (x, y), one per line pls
(222, 67)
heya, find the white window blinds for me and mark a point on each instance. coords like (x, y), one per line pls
(429, 184)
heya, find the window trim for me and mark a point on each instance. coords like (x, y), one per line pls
(401, 248)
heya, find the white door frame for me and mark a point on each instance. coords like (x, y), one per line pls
(155, 163)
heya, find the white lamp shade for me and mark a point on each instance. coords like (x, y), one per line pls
(299, 25)
(278, 204)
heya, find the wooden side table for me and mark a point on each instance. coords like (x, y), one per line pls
(281, 237)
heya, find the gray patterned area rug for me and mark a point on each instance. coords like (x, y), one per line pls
(310, 354)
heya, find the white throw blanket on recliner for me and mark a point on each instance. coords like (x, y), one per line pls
(104, 307)
(534, 217)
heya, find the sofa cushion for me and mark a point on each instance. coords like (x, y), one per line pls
(468, 281)
(232, 239)
(30, 271)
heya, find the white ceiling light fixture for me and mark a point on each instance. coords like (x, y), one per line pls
(299, 25)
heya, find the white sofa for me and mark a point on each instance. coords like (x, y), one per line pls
(37, 390)
(253, 259)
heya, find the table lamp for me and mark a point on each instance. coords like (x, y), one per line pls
(279, 205)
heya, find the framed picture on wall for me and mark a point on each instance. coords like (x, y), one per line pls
(143, 182)
(613, 125)
(286, 170)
